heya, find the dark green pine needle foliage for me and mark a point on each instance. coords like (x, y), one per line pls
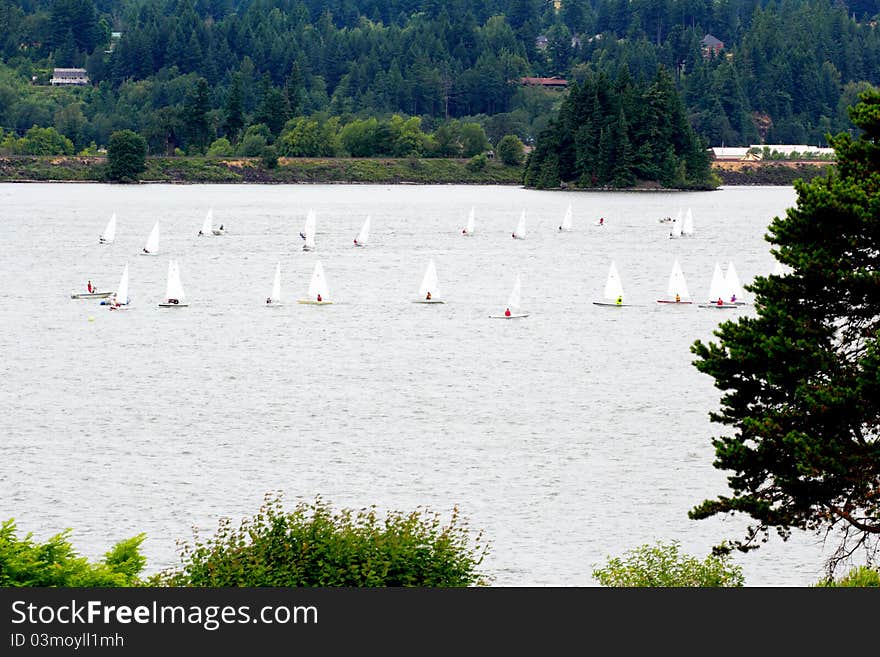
(316, 546)
(620, 133)
(801, 379)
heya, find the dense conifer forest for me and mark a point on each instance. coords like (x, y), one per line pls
(416, 77)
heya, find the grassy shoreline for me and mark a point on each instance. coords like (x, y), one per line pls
(416, 171)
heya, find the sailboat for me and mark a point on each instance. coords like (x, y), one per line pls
(274, 299)
(513, 303)
(612, 295)
(220, 230)
(319, 295)
(120, 300)
(308, 233)
(469, 228)
(429, 291)
(174, 294)
(520, 232)
(735, 291)
(675, 227)
(687, 227)
(207, 227)
(566, 220)
(94, 294)
(109, 234)
(152, 245)
(718, 291)
(364, 235)
(676, 290)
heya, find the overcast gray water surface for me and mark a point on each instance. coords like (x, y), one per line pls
(570, 436)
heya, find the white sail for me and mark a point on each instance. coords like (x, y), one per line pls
(566, 220)
(122, 290)
(677, 284)
(152, 245)
(718, 287)
(675, 227)
(513, 302)
(687, 227)
(109, 233)
(520, 232)
(174, 288)
(469, 228)
(613, 286)
(364, 234)
(275, 297)
(735, 291)
(207, 225)
(429, 282)
(309, 231)
(318, 284)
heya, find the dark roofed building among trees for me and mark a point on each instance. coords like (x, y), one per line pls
(711, 45)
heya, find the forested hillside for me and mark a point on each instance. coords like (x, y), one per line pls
(412, 75)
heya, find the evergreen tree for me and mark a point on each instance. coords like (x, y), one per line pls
(800, 381)
(234, 110)
(195, 116)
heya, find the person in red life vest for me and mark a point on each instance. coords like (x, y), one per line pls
(720, 302)
(507, 313)
(91, 289)
(601, 221)
(319, 298)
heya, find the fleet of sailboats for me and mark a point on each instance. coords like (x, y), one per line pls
(725, 290)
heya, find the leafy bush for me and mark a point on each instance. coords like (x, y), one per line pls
(221, 148)
(316, 546)
(477, 162)
(860, 577)
(270, 157)
(510, 150)
(126, 156)
(662, 565)
(24, 562)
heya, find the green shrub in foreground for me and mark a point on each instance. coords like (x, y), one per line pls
(662, 565)
(24, 562)
(314, 545)
(862, 576)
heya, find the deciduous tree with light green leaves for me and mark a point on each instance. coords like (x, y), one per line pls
(663, 565)
(800, 377)
(126, 156)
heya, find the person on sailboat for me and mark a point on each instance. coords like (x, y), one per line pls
(221, 226)
(145, 250)
(268, 299)
(601, 221)
(733, 298)
(677, 298)
(90, 288)
(507, 313)
(319, 297)
(302, 234)
(428, 297)
(619, 300)
(720, 302)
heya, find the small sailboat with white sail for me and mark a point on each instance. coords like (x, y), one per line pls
(109, 234)
(735, 291)
(687, 226)
(318, 294)
(565, 226)
(364, 234)
(274, 298)
(469, 226)
(675, 226)
(429, 290)
(308, 233)
(207, 225)
(120, 300)
(174, 294)
(719, 294)
(612, 293)
(519, 232)
(512, 311)
(152, 245)
(676, 289)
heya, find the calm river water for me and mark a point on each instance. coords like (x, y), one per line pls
(568, 437)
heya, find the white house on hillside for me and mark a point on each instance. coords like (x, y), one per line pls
(69, 76)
